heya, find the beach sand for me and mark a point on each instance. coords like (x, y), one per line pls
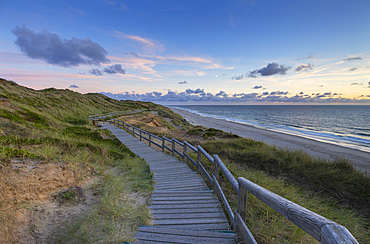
(315, 148)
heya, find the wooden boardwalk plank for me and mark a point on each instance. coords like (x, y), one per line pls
(173, 238)
(186, 206)
(151, 229)
(215, 227)
(184, 209)
(188, 215)
(187, 198)
(189, 221)
(183, 202)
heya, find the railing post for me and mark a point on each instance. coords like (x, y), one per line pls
(185, 152)
(163, 143)
(216, 173)
(140, 135)
(241, 209)
(150, 140)
(199, 160)
(173, 148)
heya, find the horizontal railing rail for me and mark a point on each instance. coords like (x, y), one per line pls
(321, 228)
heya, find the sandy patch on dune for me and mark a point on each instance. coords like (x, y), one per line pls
(29, 208)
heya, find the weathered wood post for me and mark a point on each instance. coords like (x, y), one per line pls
(216, 173)
(185, 152)
(241, 209)
(163, 143)
(150, 140)
(140, 135)
(173, 148)
(199, 159)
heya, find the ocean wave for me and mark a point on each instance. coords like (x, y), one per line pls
(359, 141)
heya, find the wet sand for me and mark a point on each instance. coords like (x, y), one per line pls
(315, 148)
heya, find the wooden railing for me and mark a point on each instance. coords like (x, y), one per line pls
(321, 228)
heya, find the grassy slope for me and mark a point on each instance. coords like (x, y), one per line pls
(51, 126)
(334, 190)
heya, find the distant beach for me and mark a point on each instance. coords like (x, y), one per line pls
(360, 159)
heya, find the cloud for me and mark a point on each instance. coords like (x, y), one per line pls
(146, 44)
(134, 54)
(157, 94)
(240, 77)
(311, 55)
(274, 93)
(238, 10)
(73, 86)
(257, 87)
(201, 97)
(95, 72)
(352, 59)
(301, 93)
(356, 84)
(270, 69)
(118, 5)
(353, 69)
(321, 85)
(222, 94)
(197, 91)
(304, 67)
(114, 69)
(183, 82)
(185, 73)
(57, 51)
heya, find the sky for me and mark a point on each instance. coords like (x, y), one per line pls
(193, 51)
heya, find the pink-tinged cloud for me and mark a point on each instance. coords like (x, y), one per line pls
(147, 45)
(132, 63)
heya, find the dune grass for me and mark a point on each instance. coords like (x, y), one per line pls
(334, 190)
(121, 210)
(52, 125)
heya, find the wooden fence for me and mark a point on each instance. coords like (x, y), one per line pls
(321, 228)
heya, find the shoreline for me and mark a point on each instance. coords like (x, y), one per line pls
(360, 159)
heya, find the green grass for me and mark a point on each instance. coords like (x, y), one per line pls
(334, 190)
(8, 152)
(51, 125)
(118, 213)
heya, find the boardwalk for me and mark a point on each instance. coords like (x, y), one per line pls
(183, 208)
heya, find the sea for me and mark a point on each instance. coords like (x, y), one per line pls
(344, 125)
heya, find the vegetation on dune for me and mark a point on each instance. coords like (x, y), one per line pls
(334, 190)
(50, 127)
(337, 179)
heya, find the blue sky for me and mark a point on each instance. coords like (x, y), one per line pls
(192, 52)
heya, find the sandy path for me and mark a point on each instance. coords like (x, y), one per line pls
(319, 149)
